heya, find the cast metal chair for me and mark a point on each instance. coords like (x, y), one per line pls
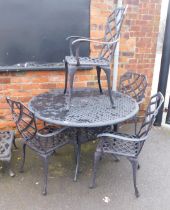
(129, 146)
(43, 141)
(134, 85)
(105, 58)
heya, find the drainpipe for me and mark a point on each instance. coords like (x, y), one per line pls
(164, 71)
(116, 58)
(168, 114)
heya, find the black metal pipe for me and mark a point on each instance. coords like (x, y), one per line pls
(163, 75)
(168, 114)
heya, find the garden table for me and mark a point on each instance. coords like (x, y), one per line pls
(89, 109)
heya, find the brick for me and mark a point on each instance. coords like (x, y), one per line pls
(5, 80)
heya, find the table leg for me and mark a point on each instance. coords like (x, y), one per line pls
(78, 151)
(115, 127)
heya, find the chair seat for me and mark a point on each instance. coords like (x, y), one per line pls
(120, 147)
(87, 61)
(45, 145)
(6, 140)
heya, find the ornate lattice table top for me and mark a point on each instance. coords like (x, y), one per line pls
(88, 108)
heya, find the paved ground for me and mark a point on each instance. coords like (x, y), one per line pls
(114, 189)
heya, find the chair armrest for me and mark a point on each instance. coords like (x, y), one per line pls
(73, 38)
(53, 133)
(81, 37)
(70, 39)
(121, 137)
(77, 43)
(97, 41)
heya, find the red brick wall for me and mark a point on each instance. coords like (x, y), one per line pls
(140, 38)
(137, 53)
(139, 34)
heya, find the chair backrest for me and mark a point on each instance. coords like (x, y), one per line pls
(134, 85)
(112, 32)
(23, 118)
(152, 110)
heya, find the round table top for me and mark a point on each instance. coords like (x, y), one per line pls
(88, 108)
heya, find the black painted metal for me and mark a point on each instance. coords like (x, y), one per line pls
(35, 31)
(89, 108)
(43, 141)
(134, 85)
(6, 140)
(89, 115)
(129, 146)
(168, 114)
(164, 71)
(105, 58)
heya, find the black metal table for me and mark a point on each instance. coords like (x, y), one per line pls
(89, 109)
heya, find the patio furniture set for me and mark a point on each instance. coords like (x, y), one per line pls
(85, 114)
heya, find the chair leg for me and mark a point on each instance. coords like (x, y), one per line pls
(66, 77)
(98, 78)
(23, 158)
(14, 143)
(97, 157)
(115, 128)
(10, 171)
(134, 164)
(138, 166)
(107, 72)
(71, 72)
(75, 151)
(78, 151)
(136, 121)
(45, 162)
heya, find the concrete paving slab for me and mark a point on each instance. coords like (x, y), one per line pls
(114, 180)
